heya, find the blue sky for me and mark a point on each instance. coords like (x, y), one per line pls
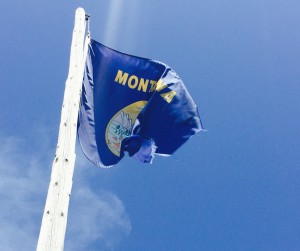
(234, 187)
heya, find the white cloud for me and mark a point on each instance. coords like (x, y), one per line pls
(96, 218)
(113, 22)
(20, 195)
(24, 180)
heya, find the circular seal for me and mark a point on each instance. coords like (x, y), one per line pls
(120, 126)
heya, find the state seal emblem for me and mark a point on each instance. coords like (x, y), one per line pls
(120, 126)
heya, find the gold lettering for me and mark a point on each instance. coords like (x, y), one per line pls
(157, 86)
(168, 96)
(143, 84)
(121, 78)
(160, 85)
(136, 81)
(153, 85)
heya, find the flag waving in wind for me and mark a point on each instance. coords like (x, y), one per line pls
(132, 104)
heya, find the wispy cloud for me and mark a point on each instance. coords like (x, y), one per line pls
(97, 220)
(21, 193)
(122, 24)
(113, 22)
(24, 179)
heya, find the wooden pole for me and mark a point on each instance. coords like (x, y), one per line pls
(54, 222)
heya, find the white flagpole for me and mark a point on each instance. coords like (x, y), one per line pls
(54, 222)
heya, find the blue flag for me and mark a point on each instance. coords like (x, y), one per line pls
(134, 105)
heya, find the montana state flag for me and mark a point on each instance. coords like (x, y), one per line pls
(134, 105)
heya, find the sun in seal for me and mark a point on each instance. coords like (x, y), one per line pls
(120, 126)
